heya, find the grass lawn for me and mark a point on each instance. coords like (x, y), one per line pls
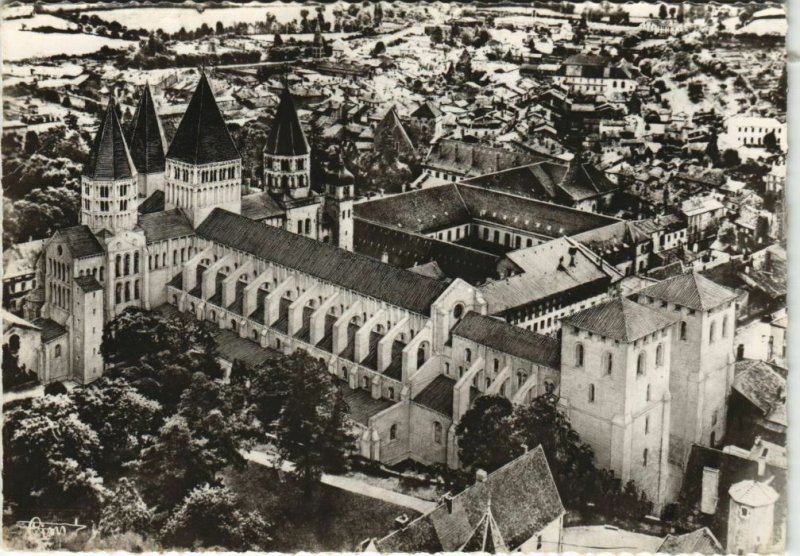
(333, 520)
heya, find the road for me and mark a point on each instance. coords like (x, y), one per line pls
(349, 484)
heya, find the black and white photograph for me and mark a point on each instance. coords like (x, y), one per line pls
(394, 277)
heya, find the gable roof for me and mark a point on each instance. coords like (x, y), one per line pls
(109, 158)
(154, 203)
(620, 319)
(438, 395)
(507, 338)
(51, 330)
(524, 501)
(691, 290)
(146, 136)
(202, 136)
(701, 541)
(426, 111)
(365, 275)
(158, 226)
(486, 537)
(80, 241)
(760, 383)
(286, 137)
(10, 320)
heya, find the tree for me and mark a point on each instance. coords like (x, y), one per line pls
(277, 41)
(672, 12)
(770, 141)
(379, 49)
(220, 28)
(125, 511)
(311, 429)
(571, 461)
(437, 36)
(484, 434)
(681, 14)
(662, 11)
(730, 158)
(31, 142)
(712, 150)
(177, 462)
(209, 517)
(695, 91)
(49, 458)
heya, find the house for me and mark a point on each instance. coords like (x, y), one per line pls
(516, 508)
(592, 74)
(19, 273)
(702, 215)
(751, 131)
(757, 407)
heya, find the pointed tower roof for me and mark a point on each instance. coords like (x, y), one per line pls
(319, 40)
(109, 158)
(343, 176)
(148, 145)
(691, 290)
(202, 136)
(286, 138)
(620, 319)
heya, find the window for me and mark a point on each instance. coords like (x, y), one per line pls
(591, 393)
(344, 373)
(725, 327)
(365, 382)
(744, 512)
(458, 311)
(437, 432)
(521, 378)
(641, 364)
(683, 330)
(647, 393)
(644, 457)
(712, 333)
(496, 365)
(579, 355)
(390, 392)
(467, 355)
(393, 432)
(647, 425)
(659, 355)
(608, 363)
(538, 542)
(58, 351)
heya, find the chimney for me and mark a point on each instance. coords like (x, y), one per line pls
(448, 502)
(561, 264)
(762, 465)
(572, 252)
(480, 476)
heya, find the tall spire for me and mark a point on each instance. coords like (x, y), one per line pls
(146, 136)
(109, 158)
(202, 136)
(286, 138)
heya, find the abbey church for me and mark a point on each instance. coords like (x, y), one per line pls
(389, 294)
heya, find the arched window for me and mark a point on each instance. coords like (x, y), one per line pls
(393, 432)
(458, 311)
(579, 355)
(659, 355)
(344, 373)
(608, 362)
(644, 457)
(549, 387)
(127, 291)
(365, 382)
(437, 432)
(58, 350)
(118, 294)
(725, 327)
(647, 424)
(712, 332)
(118, 265)
(136, 289)
(647, 393)
(591, 393)
(234, 325)
(467, 355)
(496, 365)
(136, 262)
(683, 330)
(127, 264)
(391, 393)
(521, 378)
(641, 364)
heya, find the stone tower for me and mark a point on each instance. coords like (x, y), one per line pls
(109, 186)
(287, 155)
(703, 357)
(148, 145)
(338, 205)
(751, 517)
(615, 362)
(318, 47)
(203, 165)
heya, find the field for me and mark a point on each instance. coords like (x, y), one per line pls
(334, 520)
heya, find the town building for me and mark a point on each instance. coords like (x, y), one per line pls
(751, 131)
(19, 273)
(592, 74)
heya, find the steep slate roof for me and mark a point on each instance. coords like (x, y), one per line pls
(158, 226)
(80, 241)
(392, 124)
(146, 136)
(438, 395)
(109, 158)
(701, 541)
(259, 206)
(154, 203)
(505, 337)
(524, 500)
(760, 383)
(426, 111)
(474, 159)
(286, 137)
(88, 283)
(202, 136)
(418, 211)
(691, 290)
(329, 263)
(486, 537)
(620, 319)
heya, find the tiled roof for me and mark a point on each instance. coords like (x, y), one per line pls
(146, 136)
(438, 395)
(753, 493)
(427, 111)
(88, 283)
(691, 290)
(259, 206)
(701, 541)
(418, 211)
(359, 273)
(158, 226)
(51, 330)
(507, 338)
(202, 136)
(109, 158)
(524, 500)
(619, 319)
(361, 405)
(286, 137)
(474, 159)
(80, 241)
(154, 203)
(760, 383)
